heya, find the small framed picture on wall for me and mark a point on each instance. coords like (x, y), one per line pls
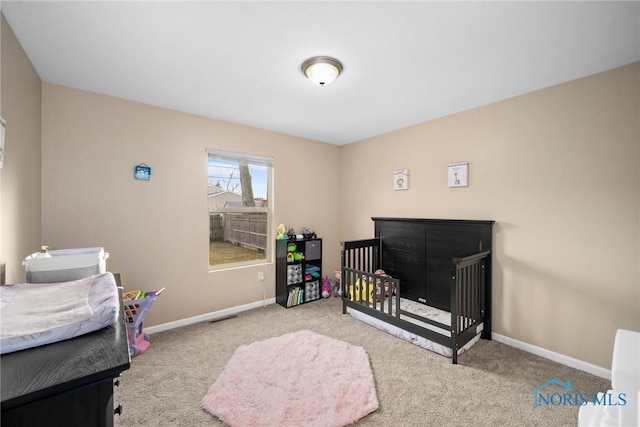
(401, 179)
(458, 174)
(142, 172)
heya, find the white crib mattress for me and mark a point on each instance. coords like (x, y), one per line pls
(423, 310)
(34, 314)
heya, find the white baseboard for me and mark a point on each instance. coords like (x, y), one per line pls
(556, 357)
(529, 348)
(215, 315)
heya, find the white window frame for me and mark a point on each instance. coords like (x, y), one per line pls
(256, 160)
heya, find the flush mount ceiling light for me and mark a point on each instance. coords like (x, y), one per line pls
(322, 70)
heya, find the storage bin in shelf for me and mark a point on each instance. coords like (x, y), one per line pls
(294, 274)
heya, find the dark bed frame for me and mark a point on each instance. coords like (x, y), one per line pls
(442, 263)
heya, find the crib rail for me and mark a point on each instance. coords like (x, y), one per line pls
(467, 297)
(361, 254)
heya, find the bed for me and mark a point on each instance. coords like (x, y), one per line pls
(34, 314)
(427, 281)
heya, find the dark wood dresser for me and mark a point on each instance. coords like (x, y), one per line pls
(68, 383)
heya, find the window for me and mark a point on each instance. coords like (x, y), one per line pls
(239, 193)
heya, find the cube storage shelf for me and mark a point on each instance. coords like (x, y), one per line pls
(298, 271)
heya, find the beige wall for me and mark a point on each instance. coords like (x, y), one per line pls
(157, 231)
(20, 206)
(558, 170)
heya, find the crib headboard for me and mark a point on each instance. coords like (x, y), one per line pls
(420, 253)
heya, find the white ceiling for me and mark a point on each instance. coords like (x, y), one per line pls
(404, 62)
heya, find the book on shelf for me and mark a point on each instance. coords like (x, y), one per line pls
(295, 297)
(290, 299)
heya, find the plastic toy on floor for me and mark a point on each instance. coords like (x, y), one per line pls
(326, 287)
(135, 311)
(337, 285)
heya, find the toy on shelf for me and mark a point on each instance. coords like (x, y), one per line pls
(291, 234)
(282, 232)
(293, 255)
(308, 234)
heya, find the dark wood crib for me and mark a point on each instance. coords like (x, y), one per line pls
(445, 264)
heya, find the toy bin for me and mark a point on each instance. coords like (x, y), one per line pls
(65, 265)
(135, 311)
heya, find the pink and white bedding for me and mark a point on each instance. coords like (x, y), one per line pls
(428, 312)
(34, 314)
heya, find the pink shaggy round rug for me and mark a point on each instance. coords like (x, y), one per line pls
(298, 379)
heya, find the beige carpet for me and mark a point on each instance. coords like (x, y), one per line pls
(491, 385)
